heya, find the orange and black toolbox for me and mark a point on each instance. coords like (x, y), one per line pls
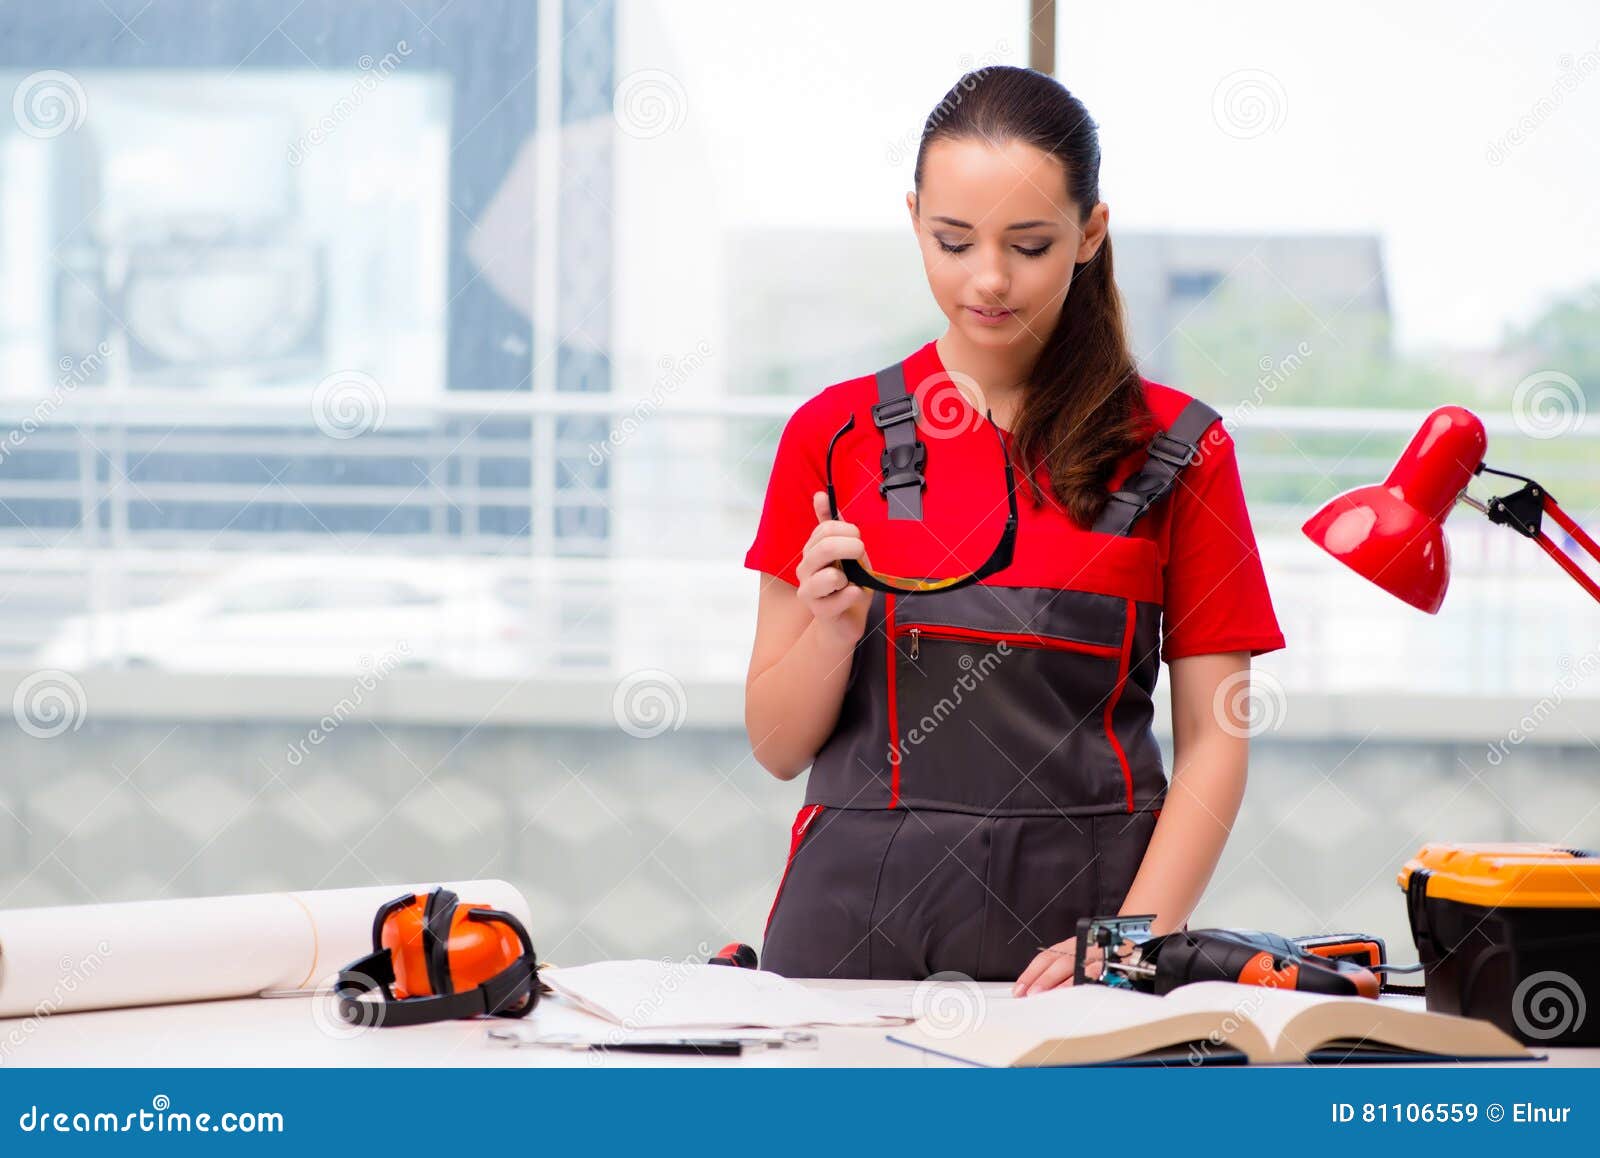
(1510, 933)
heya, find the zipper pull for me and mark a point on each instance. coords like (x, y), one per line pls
(915, 633)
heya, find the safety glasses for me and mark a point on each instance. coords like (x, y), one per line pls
(999, 558)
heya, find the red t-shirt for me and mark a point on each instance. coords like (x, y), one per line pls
(1211, 584)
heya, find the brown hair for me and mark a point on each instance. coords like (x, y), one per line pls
(1084, 408)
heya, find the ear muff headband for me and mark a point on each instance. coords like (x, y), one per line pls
(438, 916)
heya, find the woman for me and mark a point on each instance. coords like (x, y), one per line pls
(983, 768)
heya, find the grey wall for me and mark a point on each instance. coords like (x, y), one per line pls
(653, 846)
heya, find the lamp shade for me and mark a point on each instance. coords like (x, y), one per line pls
(1393, 532)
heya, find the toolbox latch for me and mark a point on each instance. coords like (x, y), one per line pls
(1417, 910)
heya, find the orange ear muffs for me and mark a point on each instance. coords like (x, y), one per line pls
(436, 959)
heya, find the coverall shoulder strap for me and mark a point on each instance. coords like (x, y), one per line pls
(904, 454)
(1170, 451)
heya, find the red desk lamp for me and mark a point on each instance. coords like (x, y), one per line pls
(1393, 532)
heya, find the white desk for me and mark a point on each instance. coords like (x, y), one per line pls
(293, 1031)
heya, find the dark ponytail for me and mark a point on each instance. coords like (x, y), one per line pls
(1084, 408)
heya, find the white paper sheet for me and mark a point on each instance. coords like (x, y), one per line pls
(646, 994)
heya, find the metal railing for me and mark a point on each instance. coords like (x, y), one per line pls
(118, 503)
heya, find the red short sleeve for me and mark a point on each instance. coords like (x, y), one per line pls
(787, 516)
(1215, 590)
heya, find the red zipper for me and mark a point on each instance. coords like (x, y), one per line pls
(894, 721)
(1124, 662)
(1014, 638)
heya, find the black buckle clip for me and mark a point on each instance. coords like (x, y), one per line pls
(902, 466)
(894, 410)
(1187, 453)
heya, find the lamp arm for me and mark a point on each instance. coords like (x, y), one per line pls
(1571, 568)
(1523, 510)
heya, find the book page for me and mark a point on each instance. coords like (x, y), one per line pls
(1066, 1025)
(1272, 1010)
(1295, 1023)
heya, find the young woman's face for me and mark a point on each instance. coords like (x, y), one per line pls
(999, 237)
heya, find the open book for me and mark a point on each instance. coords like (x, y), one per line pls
(1208, 1022)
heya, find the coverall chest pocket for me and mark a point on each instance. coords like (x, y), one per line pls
(1005, 698)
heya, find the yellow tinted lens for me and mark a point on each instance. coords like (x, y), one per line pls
(913, 585)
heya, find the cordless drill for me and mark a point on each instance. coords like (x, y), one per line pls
(1131, 957)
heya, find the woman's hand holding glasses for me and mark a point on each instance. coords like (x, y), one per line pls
(839, 606)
